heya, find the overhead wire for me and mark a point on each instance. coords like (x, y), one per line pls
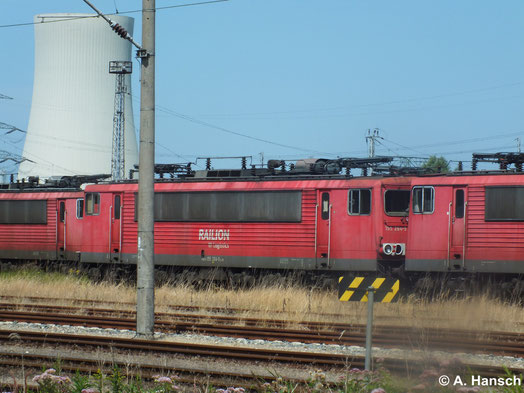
(119, 13)
(470, 140)
(404, 147)
(489, 149)
(191, 119)
(228, 131)
(43, 161)
(383, 103)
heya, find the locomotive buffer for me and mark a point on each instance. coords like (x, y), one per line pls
(371, 290)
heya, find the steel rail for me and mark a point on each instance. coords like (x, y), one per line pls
(213, 309)
(225, 352)
(492, 343)
(145, 370)
(264, 322)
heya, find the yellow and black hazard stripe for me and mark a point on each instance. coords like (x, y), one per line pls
(354, 289)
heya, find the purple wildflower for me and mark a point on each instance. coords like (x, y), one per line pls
(90, 390)
(163, 380)
(42, 377)
(61, 380)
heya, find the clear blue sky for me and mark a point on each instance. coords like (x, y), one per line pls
(442, 77)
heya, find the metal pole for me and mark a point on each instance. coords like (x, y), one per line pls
(145, 312)
(369, 327)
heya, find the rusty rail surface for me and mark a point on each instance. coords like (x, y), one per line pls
(131, 346)
(500, 343)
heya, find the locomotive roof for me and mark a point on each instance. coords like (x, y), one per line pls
(471, 178)
(327, 171)
(251, 183)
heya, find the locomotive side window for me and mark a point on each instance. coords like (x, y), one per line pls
(325, 206)
(396, 202)
(62, 211)
(359, 202)
(92, 203)
(227, 206)
(117, 207)
(79, 208)
(459, 204)
(504, 203)
(23, 212)
(423, 200)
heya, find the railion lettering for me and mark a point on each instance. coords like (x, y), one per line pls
(213, 234)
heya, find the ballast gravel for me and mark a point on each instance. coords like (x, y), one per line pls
(349, 351)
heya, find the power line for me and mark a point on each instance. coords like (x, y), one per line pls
(404, 147)
(499, 148)
(384, 103)
(42, 160)
(117, 13)
(177, 6)
(203, 123)
(10, 128)
(471, 140)
(171, 151)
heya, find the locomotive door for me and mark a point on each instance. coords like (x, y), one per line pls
(323, 228)
(61, 228)
(116, 225)
(457, 248)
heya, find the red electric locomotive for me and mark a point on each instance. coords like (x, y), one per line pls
(35, 224)
(467, 223)
(356, 224)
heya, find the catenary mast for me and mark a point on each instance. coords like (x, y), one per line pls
(145, 302)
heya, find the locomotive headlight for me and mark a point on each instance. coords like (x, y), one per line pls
(399, 249)
(388, 248)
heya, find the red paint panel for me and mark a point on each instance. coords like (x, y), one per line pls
(34, 237)
(485, 240)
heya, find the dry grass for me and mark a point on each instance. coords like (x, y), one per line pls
(278, 302)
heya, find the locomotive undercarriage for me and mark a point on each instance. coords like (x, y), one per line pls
(463, 285)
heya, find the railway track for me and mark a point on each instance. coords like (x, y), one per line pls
(143, 368)
(117, 307)
(135, 346)
(500, 343)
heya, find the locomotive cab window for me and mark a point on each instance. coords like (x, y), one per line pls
(359, 202)
(79, 208)
(325, 206)
(92, 203)
(423, 200)
(396, 202)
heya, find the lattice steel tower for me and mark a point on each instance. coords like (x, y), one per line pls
(120, 68)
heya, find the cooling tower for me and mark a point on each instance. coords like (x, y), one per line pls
(70, 127)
